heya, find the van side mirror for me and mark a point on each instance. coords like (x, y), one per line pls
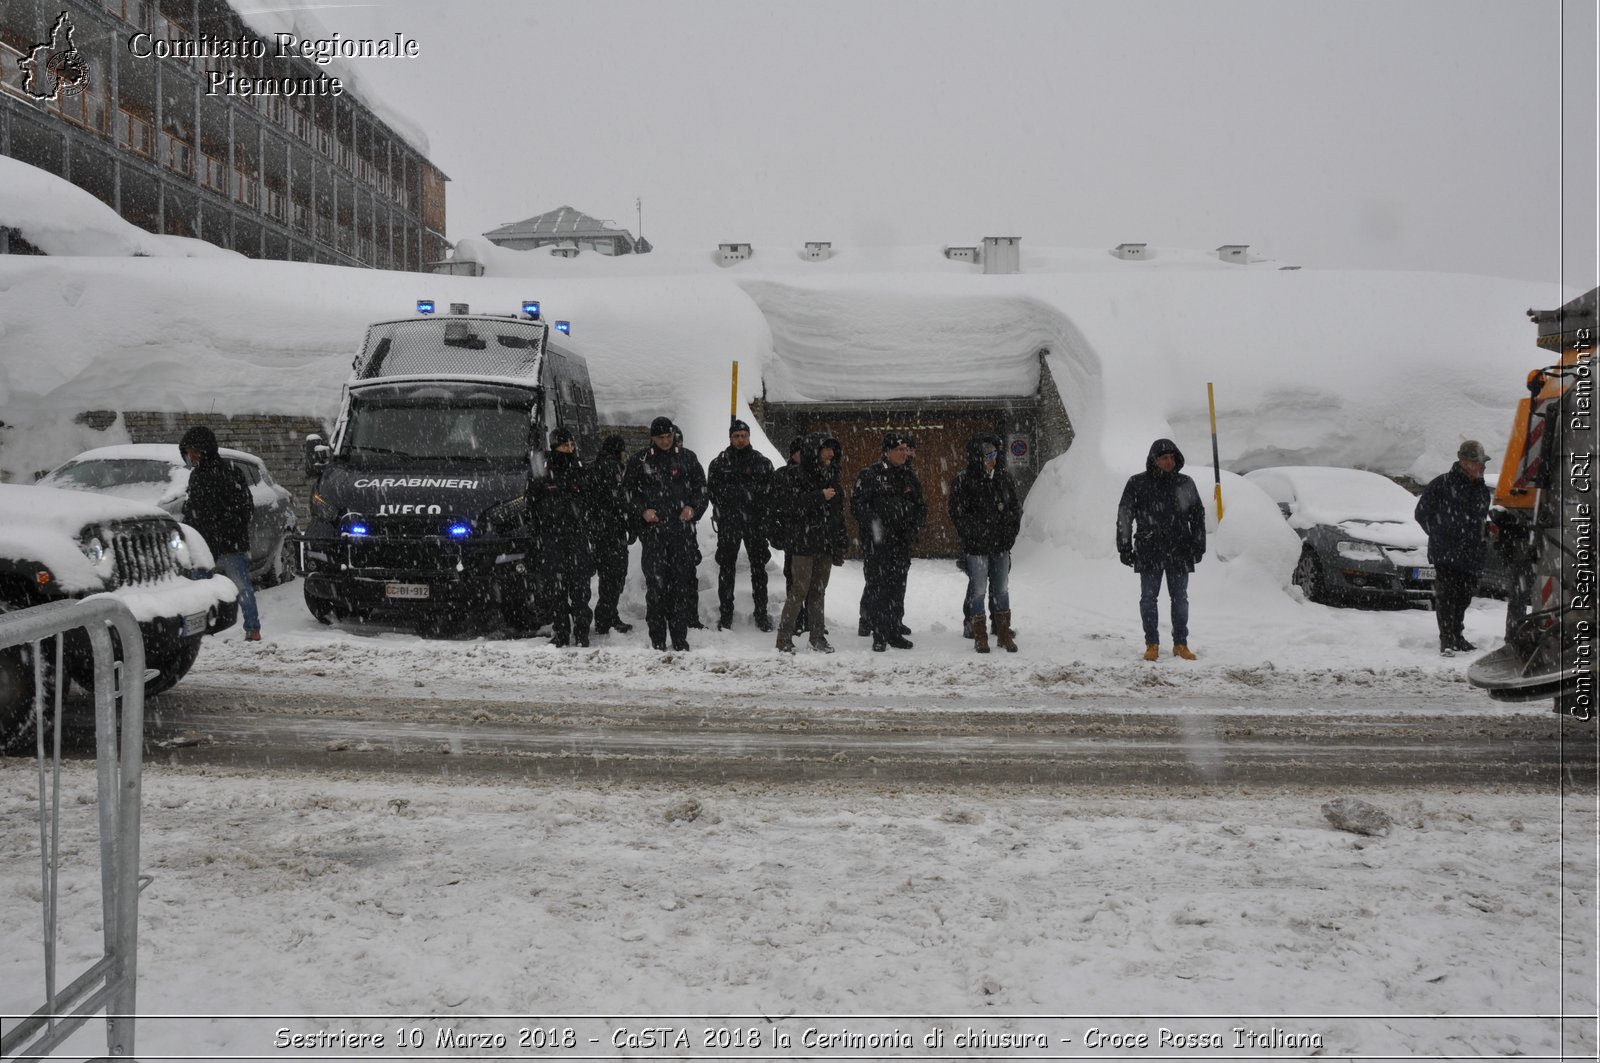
(317, 454)
(536, 464)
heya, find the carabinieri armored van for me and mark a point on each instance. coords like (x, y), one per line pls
(417, 505)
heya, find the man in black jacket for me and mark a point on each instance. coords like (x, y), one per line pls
(890, 512)
(610, 532)
(559, 511)
(667, 493)
(1161, 534)
(738, 481)
(1452, 511)
(218, 506)
(806, 508)
(987, 518)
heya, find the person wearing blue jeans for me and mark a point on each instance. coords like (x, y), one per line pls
(1161, 534)
(987, 517)
(218, 506)
(1177, 577)
(237, 568)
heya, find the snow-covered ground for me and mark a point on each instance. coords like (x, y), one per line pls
(1079, 643)
(366, 905)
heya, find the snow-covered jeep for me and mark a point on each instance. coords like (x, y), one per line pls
(57, 544)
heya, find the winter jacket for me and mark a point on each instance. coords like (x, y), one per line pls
(1160, 519)
(738, 482)
(983, 505)
(801, 521)
(888, 504)
(1452, 510)
(218, 505)
(610, 513)
(559, 510)
(665, 481)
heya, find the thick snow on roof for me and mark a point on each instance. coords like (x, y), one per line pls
(59, 218)
(567, 221)
(269, 17)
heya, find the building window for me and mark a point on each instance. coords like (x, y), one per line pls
(135, 134)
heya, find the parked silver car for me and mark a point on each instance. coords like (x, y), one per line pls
(1360, 540)
(155, 473)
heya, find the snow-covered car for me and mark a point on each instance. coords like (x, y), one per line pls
(58, 544)
(155, 473)
(1360, 542)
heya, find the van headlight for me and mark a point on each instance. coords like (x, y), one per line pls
(175, 540)
(93, 548)
(1356, 550)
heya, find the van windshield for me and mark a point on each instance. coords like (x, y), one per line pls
(384, 428)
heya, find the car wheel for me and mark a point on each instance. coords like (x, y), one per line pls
(1310, 578)
(324, 610)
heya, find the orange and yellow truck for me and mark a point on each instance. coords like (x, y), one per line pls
(1542, 523)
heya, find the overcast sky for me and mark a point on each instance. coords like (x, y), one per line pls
(1403, 134)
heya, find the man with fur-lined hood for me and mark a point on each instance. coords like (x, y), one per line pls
(1161, 534)
(987, 518)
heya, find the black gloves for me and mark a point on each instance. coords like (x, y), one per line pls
(1126, 557)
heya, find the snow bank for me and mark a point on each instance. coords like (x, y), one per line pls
(1386, 371)
(59, 218)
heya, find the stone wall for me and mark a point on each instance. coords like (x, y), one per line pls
(277, 439)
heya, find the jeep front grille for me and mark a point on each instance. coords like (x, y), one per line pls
(141, 553)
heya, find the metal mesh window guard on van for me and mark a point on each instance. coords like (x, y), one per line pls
(452, 345)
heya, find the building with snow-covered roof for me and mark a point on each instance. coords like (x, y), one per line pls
(1130, 252)
(569, 231)
(245, 150)
(1234, 253)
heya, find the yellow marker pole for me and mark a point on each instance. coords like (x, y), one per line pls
(1216, 466)
(733, 399)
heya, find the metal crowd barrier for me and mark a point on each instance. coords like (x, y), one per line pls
(108, 983)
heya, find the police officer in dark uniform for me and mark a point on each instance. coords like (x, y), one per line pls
(739, 480)
(610, 532)
(890, 512)
(666, 489)
(559, 508)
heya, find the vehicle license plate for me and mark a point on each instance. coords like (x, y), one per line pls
(406, 590)
(194, 624)
(1422, 573)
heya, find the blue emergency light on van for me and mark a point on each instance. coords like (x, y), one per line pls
(424, 306)
(564, 326)
(355, 526)
(458, 530)
(531, 308)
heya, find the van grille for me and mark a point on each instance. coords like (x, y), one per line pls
(141, 553)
